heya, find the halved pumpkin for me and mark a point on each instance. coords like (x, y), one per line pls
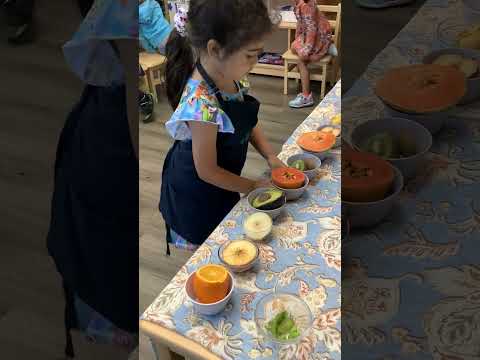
(288, 178)
(316, 141)
(365, 177)
(421, 88)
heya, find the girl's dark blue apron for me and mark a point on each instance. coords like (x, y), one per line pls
(93, 235)
(189, 205)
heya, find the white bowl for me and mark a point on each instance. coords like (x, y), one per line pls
(473, 84)
(306, 157)
(272, 213)
(238, 268)
(294, 194)
(366, 214)
(420, 136)
(208, 309)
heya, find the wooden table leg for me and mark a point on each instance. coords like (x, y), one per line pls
(161, 352)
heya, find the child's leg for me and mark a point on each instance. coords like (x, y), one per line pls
(305, 77)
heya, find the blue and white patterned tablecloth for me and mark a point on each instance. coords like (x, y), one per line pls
(303, 257)
(412, 285)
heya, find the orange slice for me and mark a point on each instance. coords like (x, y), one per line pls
(316, 141)
(211, 283)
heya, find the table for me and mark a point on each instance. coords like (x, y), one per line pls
(303, 257)
(412, 284)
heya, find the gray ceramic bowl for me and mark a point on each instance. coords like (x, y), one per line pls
(473, 84)
(314, 161)
(419, 135)
(272, 213)
(367, 214)
(433, 122)
(294, 194)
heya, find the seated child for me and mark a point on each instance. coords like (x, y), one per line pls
(313, 41)
(154, 29)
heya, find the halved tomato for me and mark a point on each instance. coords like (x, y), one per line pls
(316, 141)
(288, 178)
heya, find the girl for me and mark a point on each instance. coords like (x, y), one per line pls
(154, 29)
(313, 40)
(93, 235)
(214, 118)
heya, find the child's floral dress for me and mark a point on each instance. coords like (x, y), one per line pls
(314, 33)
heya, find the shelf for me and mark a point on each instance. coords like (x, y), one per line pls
(268, 69)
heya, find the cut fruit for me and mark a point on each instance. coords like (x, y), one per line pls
(211, 283)
(299, 165)
(365, 177)
(288, 178)
(449, 60)
(283, 327)
(316, 141)
(470, 39)
(330, 129)
(336, 120)
(239, 253)
(469, 67)
(387, 146)
(269, 199)
(422, 88)
(257, 226)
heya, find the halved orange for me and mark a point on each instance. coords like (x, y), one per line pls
(316, 141)
(211, 283)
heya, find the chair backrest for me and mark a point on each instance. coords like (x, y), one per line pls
(336, 22)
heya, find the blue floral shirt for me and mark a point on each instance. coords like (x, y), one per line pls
(90, 54)
(199, 104)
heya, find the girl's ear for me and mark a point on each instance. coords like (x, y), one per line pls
(214, 48)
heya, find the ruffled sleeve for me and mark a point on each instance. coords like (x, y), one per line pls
(197, 104)
(90, 54)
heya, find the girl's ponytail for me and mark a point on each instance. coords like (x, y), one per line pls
(179, 67)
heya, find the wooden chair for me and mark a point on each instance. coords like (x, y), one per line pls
(153, 65)
(325, 69)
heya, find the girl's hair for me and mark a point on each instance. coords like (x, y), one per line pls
(232, 23)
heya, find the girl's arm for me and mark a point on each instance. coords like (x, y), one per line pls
(262, 145)
(128, 54)
(204, 148)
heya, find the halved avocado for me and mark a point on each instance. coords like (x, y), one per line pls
(268, 200)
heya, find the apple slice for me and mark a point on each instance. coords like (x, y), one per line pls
(469, 67)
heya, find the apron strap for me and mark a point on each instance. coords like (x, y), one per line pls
(211, 84)
(70, 320)
(168, 238)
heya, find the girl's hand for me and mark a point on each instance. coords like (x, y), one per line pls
(261, 183)
(275, 162)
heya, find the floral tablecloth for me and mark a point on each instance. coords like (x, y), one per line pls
(303, 257)
(411, 286)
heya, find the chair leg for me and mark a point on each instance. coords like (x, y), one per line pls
(285, 77)
(151, 85)
(324, 81)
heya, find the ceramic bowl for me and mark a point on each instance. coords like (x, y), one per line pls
(419, 135)
(296, 307)
(366, 214)
(208, 309)
(312, 159)
(338, 140)
(473, 84)
(433, 122)
(294, 194)
(272, 213)
(238, 268)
